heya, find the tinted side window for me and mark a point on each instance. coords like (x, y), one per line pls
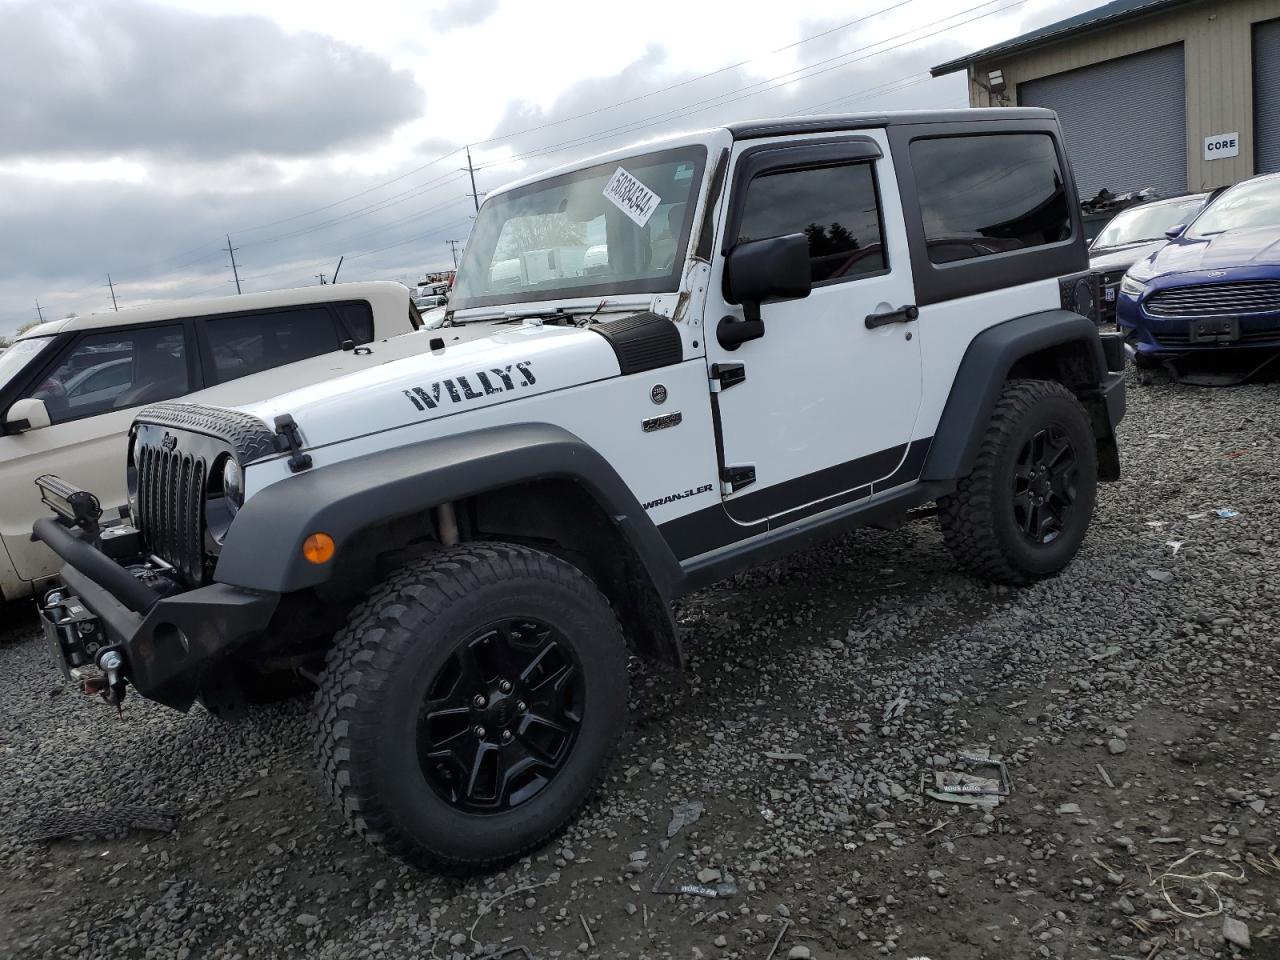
(111, 371)
(836, 207)
(983, 195)
(253, 342)
(358, 319)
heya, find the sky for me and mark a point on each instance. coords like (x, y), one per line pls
(139, 134)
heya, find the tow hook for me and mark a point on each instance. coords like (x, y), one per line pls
(110, 685)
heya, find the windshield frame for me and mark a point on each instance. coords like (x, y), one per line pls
(1141, 208)
(695, 153)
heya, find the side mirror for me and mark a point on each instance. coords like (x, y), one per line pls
(1173, 233)
(759, 271)
(28, 414)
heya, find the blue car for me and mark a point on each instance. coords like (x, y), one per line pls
(1214, 285)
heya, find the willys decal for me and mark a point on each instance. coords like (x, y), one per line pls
(472, 386)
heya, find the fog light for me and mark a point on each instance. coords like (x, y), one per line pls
(318, 548)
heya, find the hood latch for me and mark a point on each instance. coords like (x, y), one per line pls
(289, 440)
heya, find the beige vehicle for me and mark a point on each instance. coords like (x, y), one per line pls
(70, 388)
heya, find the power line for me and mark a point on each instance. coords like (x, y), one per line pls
(764, 85)
(692, 80)
(359, 212)
(799, 74)
(511, 135)
(361, 193)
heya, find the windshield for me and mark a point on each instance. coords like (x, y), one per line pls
(14, 360)
(1146, 223)
(616, 228)
(1254, 203)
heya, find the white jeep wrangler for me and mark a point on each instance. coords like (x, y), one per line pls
(690, 356)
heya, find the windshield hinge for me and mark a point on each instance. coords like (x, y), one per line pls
(726, 375)
(289, 440)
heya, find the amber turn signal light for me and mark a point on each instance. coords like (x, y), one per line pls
(318, 548)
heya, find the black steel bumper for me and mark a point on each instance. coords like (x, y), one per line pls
(169, 643)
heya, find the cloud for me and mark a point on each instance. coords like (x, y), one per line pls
(458, 14)
(126, 77)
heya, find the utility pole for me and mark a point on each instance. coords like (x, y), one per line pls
(470, 168)
(114, 306)
(321, 276)
(334, 278)
(453, 245)
(39, 312)
(235, 272)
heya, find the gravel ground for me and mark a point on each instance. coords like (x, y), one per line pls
(1134, 700)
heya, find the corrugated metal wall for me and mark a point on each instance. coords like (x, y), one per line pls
(1125, 121)
(1217, 38)
(1266, 96)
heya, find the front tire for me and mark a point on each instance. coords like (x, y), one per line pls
(1023, 511)
(469, 708)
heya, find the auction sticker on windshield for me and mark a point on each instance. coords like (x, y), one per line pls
(631, 196)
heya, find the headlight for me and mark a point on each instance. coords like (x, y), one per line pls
(1131, 287)
(232, 485)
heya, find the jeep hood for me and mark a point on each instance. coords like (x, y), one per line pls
(1254, 246)
(514, 363)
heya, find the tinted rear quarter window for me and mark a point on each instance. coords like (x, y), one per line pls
(358, 319)
(252, 342)
(989, 194)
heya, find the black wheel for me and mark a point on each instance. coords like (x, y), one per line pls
(1022, 513)
(469, 708)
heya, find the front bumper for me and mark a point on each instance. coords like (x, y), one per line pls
(169, 644)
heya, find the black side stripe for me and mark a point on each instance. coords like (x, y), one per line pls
(713, 527)
(821, 485)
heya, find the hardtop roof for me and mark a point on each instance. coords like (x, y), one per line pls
(381, 294)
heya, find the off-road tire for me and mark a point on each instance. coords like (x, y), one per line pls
(978, 521)
(382, 664)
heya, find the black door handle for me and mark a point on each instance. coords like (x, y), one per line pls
(901, 315)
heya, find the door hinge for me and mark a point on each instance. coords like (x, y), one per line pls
(726, 375)
(737, 476)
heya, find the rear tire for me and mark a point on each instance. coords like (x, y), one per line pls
(418, 763)
(1023, 511)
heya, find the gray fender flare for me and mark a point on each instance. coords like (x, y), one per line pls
(263, 547)
(983, 371)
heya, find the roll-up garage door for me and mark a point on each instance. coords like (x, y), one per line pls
(1266, 96)
(1125, 121)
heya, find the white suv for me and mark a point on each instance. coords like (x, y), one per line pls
(698, 354)
(70, 388)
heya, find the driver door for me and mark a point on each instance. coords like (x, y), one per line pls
(819, 411)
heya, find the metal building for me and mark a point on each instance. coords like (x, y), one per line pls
(1172, 94)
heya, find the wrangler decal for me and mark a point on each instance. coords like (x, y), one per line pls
(461, 387)
(673, 497)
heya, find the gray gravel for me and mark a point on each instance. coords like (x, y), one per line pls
(1138, 716)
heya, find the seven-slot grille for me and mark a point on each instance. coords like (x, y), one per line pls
(171, 495)
(1239, 299)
